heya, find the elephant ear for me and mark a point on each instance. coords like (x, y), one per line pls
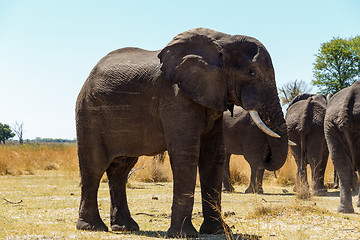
(193, 61)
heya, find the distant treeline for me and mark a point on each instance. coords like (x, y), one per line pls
(45, 140)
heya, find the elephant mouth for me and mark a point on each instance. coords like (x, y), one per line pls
(234, 99)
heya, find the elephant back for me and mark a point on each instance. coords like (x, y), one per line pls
(344, 106)
(306, 113)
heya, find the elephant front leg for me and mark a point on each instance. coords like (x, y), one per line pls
(227, 185)
(256, 178)
(117, 173)
(211, 168)
(184, 177)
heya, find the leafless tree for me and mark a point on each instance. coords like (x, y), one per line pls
(19, 130)
(290, 90)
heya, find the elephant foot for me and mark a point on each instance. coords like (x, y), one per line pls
(214, 227)
(185, 231)
(228, 189)
(319, 192)
(251, 189)
(97, 225)
(128, 226)
(355, 191)
(345, 208)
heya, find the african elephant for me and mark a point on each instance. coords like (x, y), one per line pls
(342, 133)
(137, 102)
(355, 181)
(243, 137)
(305, 120)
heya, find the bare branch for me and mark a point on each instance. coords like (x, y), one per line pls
(7, 201)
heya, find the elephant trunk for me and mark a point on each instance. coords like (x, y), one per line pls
(277, 150)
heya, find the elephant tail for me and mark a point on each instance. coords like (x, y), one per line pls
(303, 161)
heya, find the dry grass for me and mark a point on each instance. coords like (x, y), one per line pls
(49, 202)
(149, 169)
(27, 159)
(45, 205)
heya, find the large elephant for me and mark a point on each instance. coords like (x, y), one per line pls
(342, 133)
(305, 120)
(137, 102)
(243, 137)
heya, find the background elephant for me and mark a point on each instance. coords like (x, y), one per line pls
(305, 120)
(243, 137)
(137, 102)
(342, 133)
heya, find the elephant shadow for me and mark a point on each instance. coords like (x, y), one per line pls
(267, 194)
(162, 235)
(337, 194)
(332, 194)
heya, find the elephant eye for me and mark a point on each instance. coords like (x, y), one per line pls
(252, 72)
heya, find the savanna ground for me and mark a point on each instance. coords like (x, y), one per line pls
(40, 194)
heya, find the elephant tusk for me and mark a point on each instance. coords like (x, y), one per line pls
(291, 143)
(256, 118)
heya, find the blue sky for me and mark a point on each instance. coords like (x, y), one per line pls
(48, 48)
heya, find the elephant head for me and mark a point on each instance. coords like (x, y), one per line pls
(217, 70)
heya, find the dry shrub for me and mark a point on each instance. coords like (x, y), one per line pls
(262, 210)
(149, 169)
(239, 170)
(26, 159)
(329, 174)
(287, 174)
(302, 191)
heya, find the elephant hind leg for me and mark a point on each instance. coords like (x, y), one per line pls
(259, 180)
(227, 184)
(117, 173)
(93, 163)
(89, 217)
(317, 156)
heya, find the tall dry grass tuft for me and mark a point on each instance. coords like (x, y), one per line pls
(26, 159)
(240, 170)
(150, 169)
(329, 174)
(286, 176)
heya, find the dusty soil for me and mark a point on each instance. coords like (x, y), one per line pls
(45, 206)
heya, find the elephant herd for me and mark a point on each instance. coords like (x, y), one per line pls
(137, 102)
(316, 124)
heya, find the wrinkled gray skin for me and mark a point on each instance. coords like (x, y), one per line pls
(137, 102)
(243, 137)
(305, 120)
(355, 181)
(342, 133)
